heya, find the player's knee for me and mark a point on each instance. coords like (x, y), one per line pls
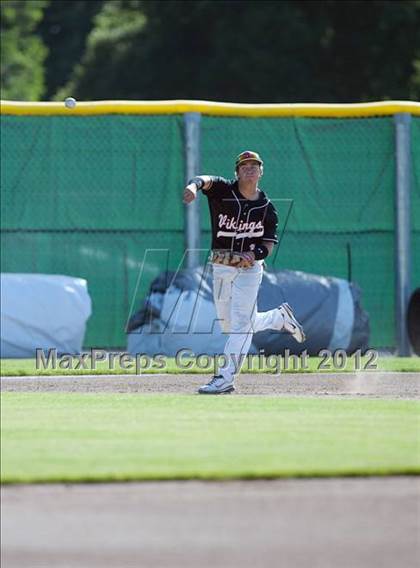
(242, 323)
(225, 326)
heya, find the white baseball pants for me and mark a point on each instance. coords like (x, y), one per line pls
(235, 293)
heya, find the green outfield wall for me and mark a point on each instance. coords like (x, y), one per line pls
(91, 195)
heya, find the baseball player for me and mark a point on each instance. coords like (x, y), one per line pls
(244, 223)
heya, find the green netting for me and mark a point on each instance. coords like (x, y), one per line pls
(89, 196)
(86, 197)
(415, 201)
(340, 175)
(109, 173)
(110, 262)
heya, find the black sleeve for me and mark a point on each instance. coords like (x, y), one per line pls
(270, 224)
(217, 185)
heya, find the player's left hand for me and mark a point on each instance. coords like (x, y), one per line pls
(232, 258)
(245, 260)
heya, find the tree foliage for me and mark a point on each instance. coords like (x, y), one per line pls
(227, 50)
(64, 30)
(22, 51)
(247, 51)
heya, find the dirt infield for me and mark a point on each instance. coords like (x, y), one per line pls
(289, 523)
(306, 523)
(371, 384)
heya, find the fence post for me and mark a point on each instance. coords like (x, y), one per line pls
(402, 123)
(192, 236)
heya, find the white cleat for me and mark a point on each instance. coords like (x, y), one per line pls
(218, 385)
(291, 324)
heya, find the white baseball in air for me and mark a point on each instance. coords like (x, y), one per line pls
(70, 102)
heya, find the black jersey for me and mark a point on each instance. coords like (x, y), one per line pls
(238, 223)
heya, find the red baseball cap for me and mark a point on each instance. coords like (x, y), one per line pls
(246, 156)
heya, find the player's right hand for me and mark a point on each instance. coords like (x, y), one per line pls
(190, 193)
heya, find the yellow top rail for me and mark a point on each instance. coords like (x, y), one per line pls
(384, 108)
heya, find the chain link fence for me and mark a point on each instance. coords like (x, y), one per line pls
(340, 176)
(91, 196)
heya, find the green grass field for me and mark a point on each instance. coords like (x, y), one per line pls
(48, 437)
(27, 367)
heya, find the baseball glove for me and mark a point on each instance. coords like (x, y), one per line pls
(232, 258)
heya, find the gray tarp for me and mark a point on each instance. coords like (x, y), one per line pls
(42, 311)
(179, 313)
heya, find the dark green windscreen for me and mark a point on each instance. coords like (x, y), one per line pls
(89, 196)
